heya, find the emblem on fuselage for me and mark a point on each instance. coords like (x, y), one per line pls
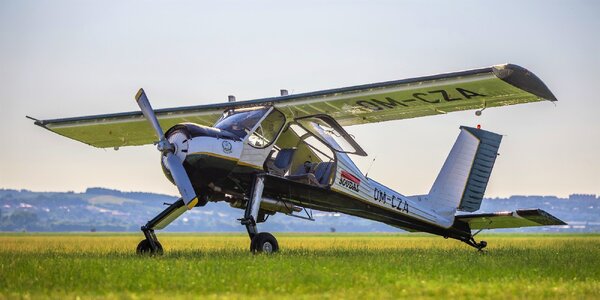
(226, 147)
(349, 181)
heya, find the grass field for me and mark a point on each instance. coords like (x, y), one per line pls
(336, 266)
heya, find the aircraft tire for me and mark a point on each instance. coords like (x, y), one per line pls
(144, 248)
(264, 242)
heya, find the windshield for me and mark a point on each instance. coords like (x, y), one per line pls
(241, 123)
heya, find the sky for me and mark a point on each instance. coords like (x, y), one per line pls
(72, 58)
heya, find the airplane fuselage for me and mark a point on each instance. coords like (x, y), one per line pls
(222, 167)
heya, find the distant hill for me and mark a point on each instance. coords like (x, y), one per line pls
(100, 209)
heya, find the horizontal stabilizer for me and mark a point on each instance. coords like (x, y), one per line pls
(518, 218)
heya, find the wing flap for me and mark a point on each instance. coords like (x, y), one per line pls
(518, 218)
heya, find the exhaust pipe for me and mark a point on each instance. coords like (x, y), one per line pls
(279, 206)
(270, 205)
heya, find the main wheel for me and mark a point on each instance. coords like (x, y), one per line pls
(264, 242)
(144, 247)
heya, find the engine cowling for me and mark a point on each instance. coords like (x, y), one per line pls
(196, 145)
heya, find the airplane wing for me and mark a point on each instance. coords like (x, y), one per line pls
(518, 218)
(392, 100)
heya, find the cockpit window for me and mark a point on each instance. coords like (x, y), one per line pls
(241, 122)
(268, 130)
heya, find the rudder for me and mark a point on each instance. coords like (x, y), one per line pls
(464, 176)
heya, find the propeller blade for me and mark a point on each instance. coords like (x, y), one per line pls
(148, 112)
(181, 180)
(173, 163)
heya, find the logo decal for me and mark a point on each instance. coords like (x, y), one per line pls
(226, 147)
(349, 181)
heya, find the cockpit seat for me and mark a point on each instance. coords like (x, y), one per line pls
(318, 175)
(323, 172)
(281, 163)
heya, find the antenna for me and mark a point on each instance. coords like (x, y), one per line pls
(369, 169)
(480, 111)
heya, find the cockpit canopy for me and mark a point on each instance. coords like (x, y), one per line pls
(246, 121)
(241, 122)
(264, 129)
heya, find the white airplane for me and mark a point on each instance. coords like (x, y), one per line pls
(290, 154)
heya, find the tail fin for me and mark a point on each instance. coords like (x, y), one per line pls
(464, 177)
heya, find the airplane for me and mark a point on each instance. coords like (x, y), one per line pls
(290, 154)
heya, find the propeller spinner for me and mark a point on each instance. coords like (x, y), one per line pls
(172, 162)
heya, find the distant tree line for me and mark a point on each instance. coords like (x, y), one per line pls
(19, 220)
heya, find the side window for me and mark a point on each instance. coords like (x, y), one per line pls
(268, 129)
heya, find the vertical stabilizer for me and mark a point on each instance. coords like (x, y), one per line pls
(465, 174)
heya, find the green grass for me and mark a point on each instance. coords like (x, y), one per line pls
(349, 266)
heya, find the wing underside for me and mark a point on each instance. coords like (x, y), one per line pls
(392, 100)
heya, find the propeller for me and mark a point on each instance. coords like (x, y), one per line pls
(172, 162)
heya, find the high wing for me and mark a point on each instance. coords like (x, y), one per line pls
(392, 100)
(518, 218)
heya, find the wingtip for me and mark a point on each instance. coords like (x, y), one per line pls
(139, 94)
(524, 79)
(35, 121)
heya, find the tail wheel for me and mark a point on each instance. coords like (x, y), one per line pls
(144, 248)
(264, 242)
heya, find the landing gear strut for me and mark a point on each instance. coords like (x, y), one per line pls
(151, 245)
(262, 242)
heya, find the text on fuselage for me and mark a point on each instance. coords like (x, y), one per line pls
(396, 202)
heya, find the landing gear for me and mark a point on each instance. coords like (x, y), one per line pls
(479, 246)
(264, 242)
(145, 248)
(151, 245)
